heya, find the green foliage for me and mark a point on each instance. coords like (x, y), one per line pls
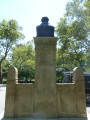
(4, 81)
(9, 34)
(74, 9)
(73, 37)
(5, 66)
(87, 15)
(59, 75)
(23, 59)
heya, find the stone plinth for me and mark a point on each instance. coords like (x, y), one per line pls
(24, 100)
(71, 100)
(78, 79)
(45, 78)
(12, 79)
(45, 98)
(66, 100)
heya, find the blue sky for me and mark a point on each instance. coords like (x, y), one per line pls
(28, 13)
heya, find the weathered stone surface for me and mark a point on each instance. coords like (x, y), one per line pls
(78, 75)
(78, 79)
(66, 100)
(10, 92)
(45, 80)
(12, 77)
(45, 98)
(24, 100)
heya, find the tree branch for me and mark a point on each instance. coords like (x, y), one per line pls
(6, 52)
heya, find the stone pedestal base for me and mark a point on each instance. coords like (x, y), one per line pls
(45, 78)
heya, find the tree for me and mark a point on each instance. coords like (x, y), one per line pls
(5, 66)
(73, 37)
(87, 13)
(9, 34)
(23, 57)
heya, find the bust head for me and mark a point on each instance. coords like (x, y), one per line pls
(44, 20)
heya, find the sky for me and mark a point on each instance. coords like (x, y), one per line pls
(28, 13)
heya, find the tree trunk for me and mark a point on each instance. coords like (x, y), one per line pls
(0, 73)
(26, 79)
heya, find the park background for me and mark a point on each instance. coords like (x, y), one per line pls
(18, 21)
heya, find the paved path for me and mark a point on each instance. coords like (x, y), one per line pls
(2, 98)
(2, 103)
(88, 111)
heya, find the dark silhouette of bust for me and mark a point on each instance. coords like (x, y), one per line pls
(44, 29)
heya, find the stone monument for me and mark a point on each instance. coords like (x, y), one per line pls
(45, 98)
(45, 78)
